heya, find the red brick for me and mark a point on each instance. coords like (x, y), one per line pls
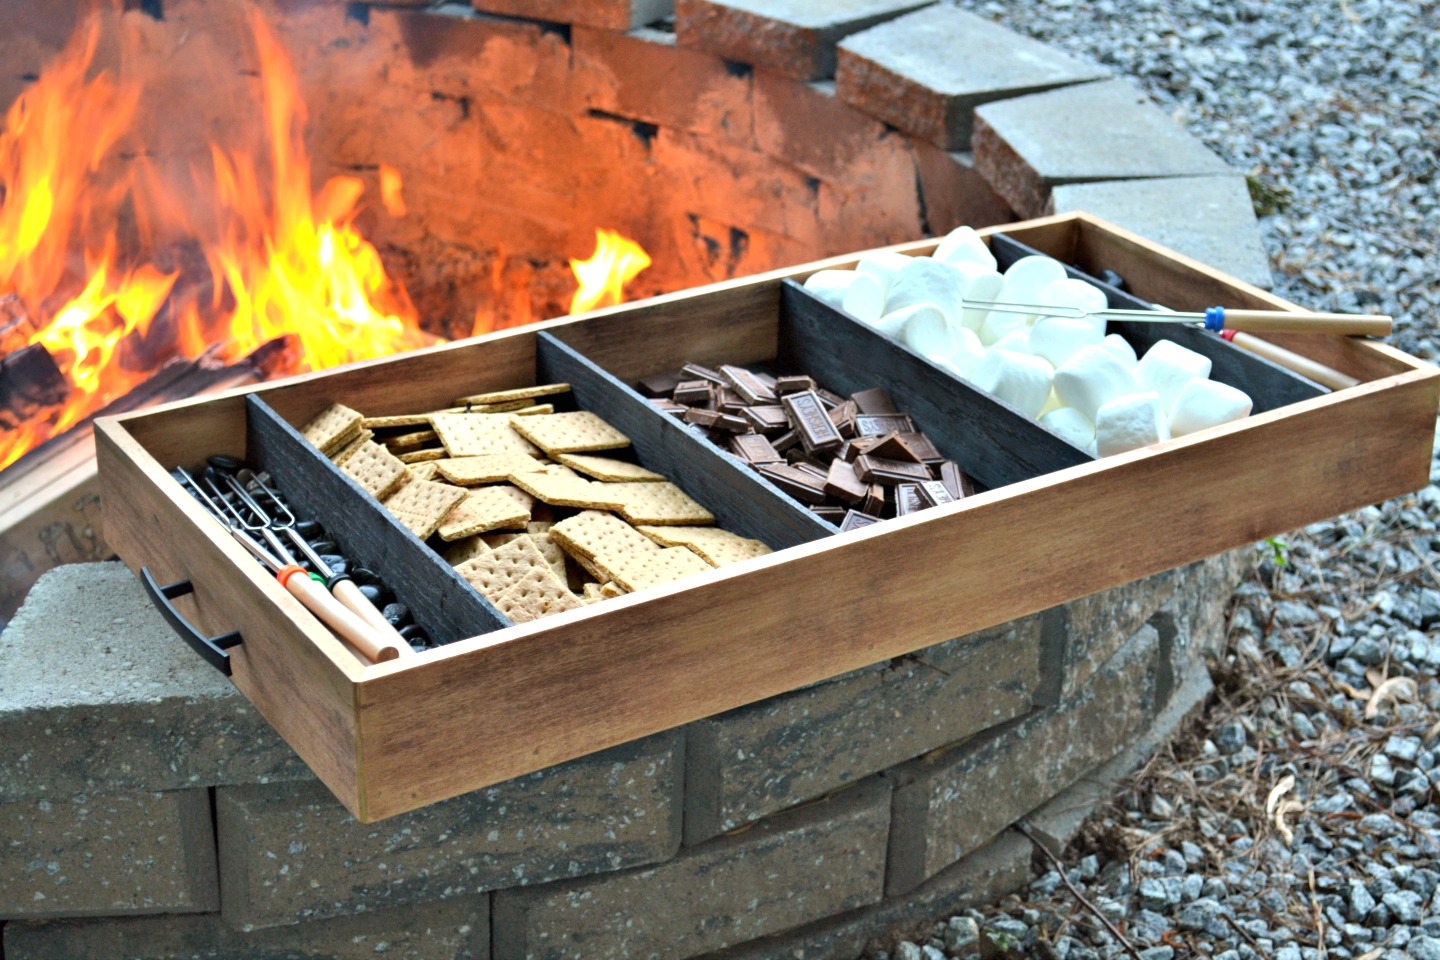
(954, 192)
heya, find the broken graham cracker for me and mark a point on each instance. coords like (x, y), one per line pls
(567, 491)
(422, 456)
(577, 432)
(375, 469)
(656, 503)
(332, 428)
(519, 393)
(487, 468)
(718, 547)
(405, 441)
(404, 420)
(608, 468)
(421, 504)
(535, 595)
(477, 434)
(482, 510)
(466, 548)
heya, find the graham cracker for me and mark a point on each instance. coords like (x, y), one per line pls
(494, 540)
(569, 432)
(662, 504)
(553, 552)
(375, 469)
(346, 450)
(535, 595)
(519, 496)
(483, 509)
(562, 491)
(422, 504)
(493, 572)
(405, 441)
(404, 420)
(592, 593)
(538, 410)
(611, 589)
(488, 468)
(476, 434)
(422, 456)
(608, 468)
(592, 533)
(466, 548)
(638, 570)
(332, 427)
(425, 470)
(520, 393)
(507, 407)
(718, 547)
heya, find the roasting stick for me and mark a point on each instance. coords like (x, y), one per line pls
(1290, 360)
(298, 584)
(1216, 318)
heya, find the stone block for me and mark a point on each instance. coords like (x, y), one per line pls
(796, 38)
(821, 859)
(980, 879)
(805, 125)
(1107, 130)
(98, 696)
(1101, 623)
(450, 930)
(952, 192)
(643, 75)
(605, 14)
(98, 855)
(1208, 218)
(1192, 623)
(926, 72)
(948, 805)
(291, 852)
(750, 762)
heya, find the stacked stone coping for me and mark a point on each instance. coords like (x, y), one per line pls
(817, 819)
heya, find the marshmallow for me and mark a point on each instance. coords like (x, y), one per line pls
(1207, 403)
(1051, 404)
(1121, 348)
(891, 324)
(983, 285)
(1130, 422)
(927, 281)
(1167, 367)
(1069, 292)
(1090, 378)
(965, 354)
(857, 294)
(998, 324)
(1018, 379)
(1027, 277)
(1057, 338)
(930, 332)
(1070, 424)
(1017, 341)
(883, 265)
(963, 245)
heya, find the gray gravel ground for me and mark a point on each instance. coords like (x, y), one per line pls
(1299, 818)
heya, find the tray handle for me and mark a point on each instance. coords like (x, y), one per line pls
(212, 649)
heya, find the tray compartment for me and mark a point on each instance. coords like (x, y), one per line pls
(440, 599)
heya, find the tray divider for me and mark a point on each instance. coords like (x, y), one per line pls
(994, 443)
(440, 600)
(741, 500)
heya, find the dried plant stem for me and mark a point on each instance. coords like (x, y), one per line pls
(1120, 938)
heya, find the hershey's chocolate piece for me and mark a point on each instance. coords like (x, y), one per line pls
(935, 493)
(755, 448)
(808, 417)
(874, 502)
(701, 417)
(877, 425)
(660, 384)
(883, 470)
(842, 483)
(843, 417)
(670, 407)
(750, 387)
(829, 513)
(798, 384)
(731, 423)
(875, 400)
(702, 373)
(813, 467)
(765, 378)
(908, 499)
(786, 440)
(891, 447)
(691, 391)
(830, 399)
(767, 418)
(854, 520)
(921, 448)
(956, 481)
(799, 484)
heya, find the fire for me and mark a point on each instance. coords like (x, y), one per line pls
(617, 261)
(285, 260)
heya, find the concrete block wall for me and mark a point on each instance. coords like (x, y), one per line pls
(817, 820)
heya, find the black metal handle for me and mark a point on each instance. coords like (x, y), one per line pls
(211, 648)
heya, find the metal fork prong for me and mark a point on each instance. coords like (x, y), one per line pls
(283, 517)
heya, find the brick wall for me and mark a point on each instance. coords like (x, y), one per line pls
(819, 818)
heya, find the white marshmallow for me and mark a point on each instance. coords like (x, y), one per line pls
(857, 294)
(1070, 424)
(1167, 367)
(929, 331)
(891, 324)
(927, 281)
(1018, 379)
(883, 265)
(1130, 422)
(963, 245)
(965, 354)
(1119, 346)
(1027, 277)
(1051, 404)
(1057, 338)
(983, 285)
(1017, 341)
(1207, 403)
(1000, 323)
(1069, 292)
(1090, 378)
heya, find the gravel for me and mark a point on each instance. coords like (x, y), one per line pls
(1330, 110)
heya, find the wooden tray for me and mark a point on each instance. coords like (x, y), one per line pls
(504, 700)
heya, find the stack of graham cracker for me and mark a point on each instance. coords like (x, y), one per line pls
(525, 505)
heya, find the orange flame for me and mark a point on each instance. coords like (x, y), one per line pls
(617, 261)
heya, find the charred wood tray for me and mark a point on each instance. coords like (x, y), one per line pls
(499, 700)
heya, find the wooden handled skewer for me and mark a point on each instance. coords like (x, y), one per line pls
(1216, 318)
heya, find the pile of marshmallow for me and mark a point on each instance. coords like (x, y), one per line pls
(1083, 384)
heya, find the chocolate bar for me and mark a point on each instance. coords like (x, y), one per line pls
(874, 400)
(956, 481)
(877, 425)
(799, 484)
(874, 502)
(691, 391)
(854, 520)
(784, 385)
(842, 483)
(935, 493)
(660, 384)
(694, 370)
(747, 385)
(811, 422)
(755, 449)
(767, 418)
(886, 471)
(908, 499)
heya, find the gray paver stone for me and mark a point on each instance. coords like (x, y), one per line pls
(606, 14)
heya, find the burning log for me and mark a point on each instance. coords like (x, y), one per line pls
(30, 383)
